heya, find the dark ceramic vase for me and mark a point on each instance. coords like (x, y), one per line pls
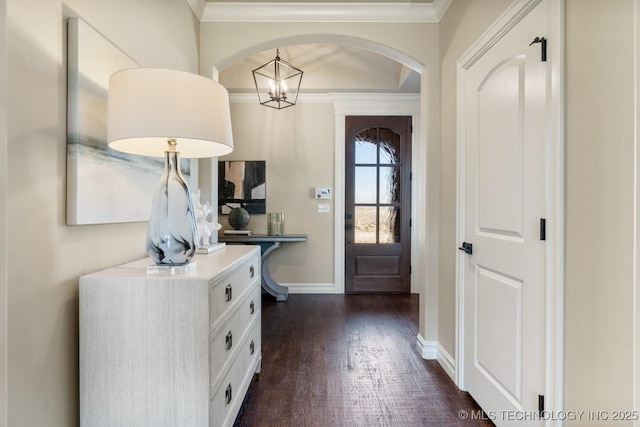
(238, 218)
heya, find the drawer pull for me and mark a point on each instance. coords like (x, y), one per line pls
(229, 340)
(228, 293)
(252, 347)
(252, 272)
(252, 308)
(228, 394)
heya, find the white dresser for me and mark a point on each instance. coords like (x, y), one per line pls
(170, 349)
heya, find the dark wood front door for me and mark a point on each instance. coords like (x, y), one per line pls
(378, 204)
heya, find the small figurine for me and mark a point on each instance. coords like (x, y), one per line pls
(205, 228)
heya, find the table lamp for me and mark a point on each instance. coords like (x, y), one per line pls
(169, 113)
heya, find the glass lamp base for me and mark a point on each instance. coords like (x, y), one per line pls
(172, 235)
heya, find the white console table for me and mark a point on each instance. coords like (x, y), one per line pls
(170, 349)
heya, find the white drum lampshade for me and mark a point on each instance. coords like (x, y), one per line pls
(169, 113)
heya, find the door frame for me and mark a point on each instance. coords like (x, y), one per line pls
(554, 189)
(375, 105)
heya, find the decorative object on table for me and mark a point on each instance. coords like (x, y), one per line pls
(205, 228)
(156, 112)
(277, 83)
(238, 218)
(275, 224)
(242, 184)
(103, 185)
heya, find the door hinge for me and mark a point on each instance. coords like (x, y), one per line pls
(410, 176)
(543, 47)
(410, 222)
(540, 405)
(543, 229)
(410, 269)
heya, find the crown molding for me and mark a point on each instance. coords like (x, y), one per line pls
(404, 12)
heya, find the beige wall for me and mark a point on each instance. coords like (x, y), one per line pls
(599, 204)
(45, 257)
(297, 145)
(460, 28)
(3, 219)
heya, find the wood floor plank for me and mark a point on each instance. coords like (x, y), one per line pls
(349, 360)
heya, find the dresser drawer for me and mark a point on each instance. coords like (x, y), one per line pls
(227, 290)
(229, 394)
(231, 333)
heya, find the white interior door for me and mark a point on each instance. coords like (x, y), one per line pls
(505, 135)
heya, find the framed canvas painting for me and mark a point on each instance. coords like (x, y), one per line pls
(103, 185)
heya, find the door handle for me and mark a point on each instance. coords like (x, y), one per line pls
(467, 248)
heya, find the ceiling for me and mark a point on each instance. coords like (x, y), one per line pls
(327, 68)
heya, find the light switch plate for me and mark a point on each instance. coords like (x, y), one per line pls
(324, 208)
(323, 193)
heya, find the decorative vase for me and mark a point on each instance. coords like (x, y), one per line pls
(172, 235)
(275, 224)
(238, 218)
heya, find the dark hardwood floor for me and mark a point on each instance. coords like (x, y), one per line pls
(348, 360)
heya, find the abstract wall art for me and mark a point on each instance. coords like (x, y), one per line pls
(103, 185)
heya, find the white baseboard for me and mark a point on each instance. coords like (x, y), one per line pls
(447, 362)
(311, 288)
(427, 349)
(432, 350)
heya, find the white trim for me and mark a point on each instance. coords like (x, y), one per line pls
(636, 214)
(303, 98)
(311, 288)
(554, 286)
(554, 298)
(398, 12)
(447, 362)
(428, 350)
(355, 104)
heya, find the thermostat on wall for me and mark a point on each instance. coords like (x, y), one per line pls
(323, 193)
